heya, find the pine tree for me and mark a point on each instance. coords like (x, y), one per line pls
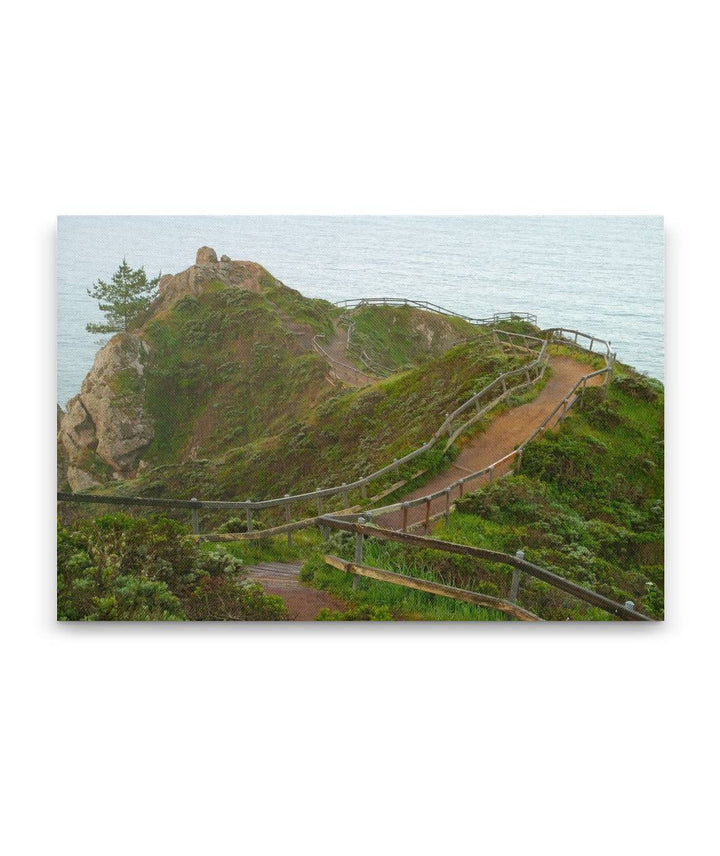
(124, 299)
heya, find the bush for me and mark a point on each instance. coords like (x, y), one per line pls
(119, 568)
(639, 387)
(597, 410)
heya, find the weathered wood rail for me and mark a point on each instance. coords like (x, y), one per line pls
(486, 399)
(455, 423)
(478, 405)
(431, 587)
(433, 307)
(517, 563)
(342, 369)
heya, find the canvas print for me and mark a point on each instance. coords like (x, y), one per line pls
(360, 419)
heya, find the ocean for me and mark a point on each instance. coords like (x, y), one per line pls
(601, 275)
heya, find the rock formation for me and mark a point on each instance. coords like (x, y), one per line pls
(207, 269)
(105, 429)
(206, 256)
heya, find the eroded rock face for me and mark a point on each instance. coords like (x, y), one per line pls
(106, 423)
(106, 429)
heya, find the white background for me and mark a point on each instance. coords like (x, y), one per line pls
(354, 739)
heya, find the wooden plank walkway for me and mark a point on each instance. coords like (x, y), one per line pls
(283, 579)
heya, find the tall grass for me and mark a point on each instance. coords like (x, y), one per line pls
(402, 603)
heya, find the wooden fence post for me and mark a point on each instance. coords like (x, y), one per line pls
(427, 514)
(609, 373)
(319, 503)
(195, 519)
(287, 519)
(515, 583)
(404, 516)
(249, 516)
(359, 539)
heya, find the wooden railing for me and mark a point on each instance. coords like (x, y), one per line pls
(344, 368)
(352, 519)
(433, 307)
(430, 587)
(517, 562)
(512, 461)
(482, 402)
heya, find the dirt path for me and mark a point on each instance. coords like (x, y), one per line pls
(336, 350)
(284, 580)
(502, 435)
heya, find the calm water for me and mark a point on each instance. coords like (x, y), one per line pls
(602, 275)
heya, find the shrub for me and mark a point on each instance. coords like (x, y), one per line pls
(119, 568)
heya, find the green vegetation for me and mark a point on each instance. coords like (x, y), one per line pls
(402, 337)
(374, 600)
(589, 504)
(118, 568)
(241, 410)
(225, 371)
(124, 300)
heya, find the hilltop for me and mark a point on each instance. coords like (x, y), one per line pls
(226, 390)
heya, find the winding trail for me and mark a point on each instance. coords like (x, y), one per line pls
(336, 352)
(506, 431)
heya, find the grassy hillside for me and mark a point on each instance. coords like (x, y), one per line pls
(588, 505)
(299, 434)
(220, 363)
(395, 337)
(242, 407)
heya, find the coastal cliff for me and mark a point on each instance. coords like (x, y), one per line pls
(106, 427)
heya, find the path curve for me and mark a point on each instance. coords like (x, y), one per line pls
(503, 434)
(336, 353)
(283, 579)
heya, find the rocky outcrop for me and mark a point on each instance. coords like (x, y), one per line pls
(207, 269)
(206, 256)
(105, 428)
